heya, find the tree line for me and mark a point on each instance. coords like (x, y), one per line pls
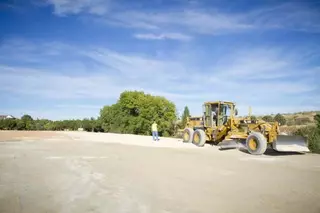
(26, 122)
(133, 113)
(290, 121)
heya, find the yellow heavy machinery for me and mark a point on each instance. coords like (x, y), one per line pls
(221, 127)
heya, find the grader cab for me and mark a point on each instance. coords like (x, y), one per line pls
(221, 127)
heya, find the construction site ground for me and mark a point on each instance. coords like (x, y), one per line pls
(100, 172)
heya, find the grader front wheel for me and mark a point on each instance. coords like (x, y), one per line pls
(256, 143)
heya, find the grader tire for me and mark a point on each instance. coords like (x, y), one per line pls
(187, 135)
(256, 143)
(199, 138)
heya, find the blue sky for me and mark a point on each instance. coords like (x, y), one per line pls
(62, 59)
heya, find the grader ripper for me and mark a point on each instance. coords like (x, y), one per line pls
(221, 127)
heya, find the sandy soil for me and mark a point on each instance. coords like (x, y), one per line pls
(26, 135)
(94, 172)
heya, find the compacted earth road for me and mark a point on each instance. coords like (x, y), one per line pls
(99, 172)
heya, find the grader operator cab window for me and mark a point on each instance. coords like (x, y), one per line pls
(207, 115)
(210, 112)
(224, 114)
(216, 114)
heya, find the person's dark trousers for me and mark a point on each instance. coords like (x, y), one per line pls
(155, 135)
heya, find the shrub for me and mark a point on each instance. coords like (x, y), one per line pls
(268, 118)
(312, 133)
(291, 122)
(280, 119)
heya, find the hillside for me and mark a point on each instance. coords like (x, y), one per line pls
(298, 118)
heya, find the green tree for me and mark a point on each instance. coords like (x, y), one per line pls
(40, 124)
(11, 124)
(280, 119)
(8, 124)
(26, 118)
(21, 125)
(317, 120)
(134, 113)
(2, 124)
(28, 121)
(268, 118)
(49, 125)
(87, 124)
(184, 117)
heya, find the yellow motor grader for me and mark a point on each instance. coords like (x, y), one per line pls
(221, 127)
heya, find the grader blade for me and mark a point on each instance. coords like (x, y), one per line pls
(285, 143)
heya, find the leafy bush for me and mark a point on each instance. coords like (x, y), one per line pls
(280, 119)
(302, 121)
(291, 122)
(268, 118)
(254, 118)
(312, 133)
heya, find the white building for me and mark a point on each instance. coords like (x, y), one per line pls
(6, 116)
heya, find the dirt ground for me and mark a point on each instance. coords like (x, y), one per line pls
(26, 135)
(99, 172)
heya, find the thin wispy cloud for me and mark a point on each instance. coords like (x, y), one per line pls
(82, 54)
(199, 20)
(163, 36)
(64, 7)
(237, 81)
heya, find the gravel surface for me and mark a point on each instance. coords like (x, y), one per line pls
(99, 172)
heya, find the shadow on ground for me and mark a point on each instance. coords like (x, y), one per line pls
(269, 151)
(272, 152)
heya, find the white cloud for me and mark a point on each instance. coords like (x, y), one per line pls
(186, 20)
(52, 85)
(163, 36)
(211, 21)
(63, 7)
(294, 16)
(199, 19)
(243, 80)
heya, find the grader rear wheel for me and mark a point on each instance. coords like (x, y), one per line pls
(199, 137)
(187, 135)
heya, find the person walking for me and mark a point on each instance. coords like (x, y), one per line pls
(154, 129)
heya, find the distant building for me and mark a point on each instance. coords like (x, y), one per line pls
(6, 117)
